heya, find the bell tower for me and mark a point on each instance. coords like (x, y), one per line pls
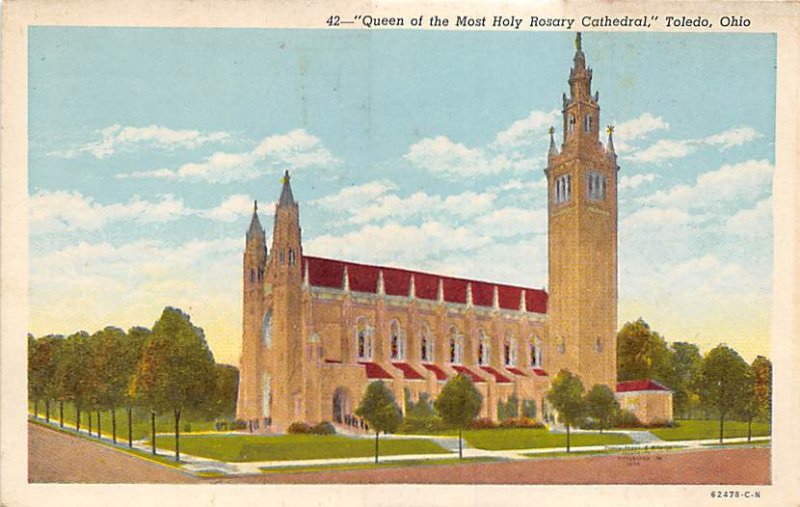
(582, 237)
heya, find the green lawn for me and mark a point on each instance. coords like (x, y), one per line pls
(232, 448)
(704, 430)
(141, 421)
(528, 438)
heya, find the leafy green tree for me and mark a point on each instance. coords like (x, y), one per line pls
(602, 406)
(176, 371)
(723, 382)
(132, 351)
(684, 365)
(458, 404)
(379, 409)
(113, 369)
(222, 402)
(762, 369)
(71, 382)
(42, 364)
(566, 396)
(641, 353)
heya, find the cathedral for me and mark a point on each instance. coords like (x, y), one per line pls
(317, 331)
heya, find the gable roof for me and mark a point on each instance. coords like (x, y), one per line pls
(329, 273)
(640, 385)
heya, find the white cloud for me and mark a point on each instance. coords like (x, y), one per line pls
(530, 185)
(732, 137)
(512, 221)
(118, 137)
(230, 209)
(296, 149)
(663, 149)
(639, 127)
(654, 219)
(524, 132)
(70, 211)
(729, 183)
(628, 182)
(752, 223)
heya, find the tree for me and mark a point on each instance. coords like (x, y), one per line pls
(684, 365)
(42, 364)
(176, 371)
(458, 404)
(379, 409)
(641, 353)
(762, 369)
(566, 396)
(113, 369)
(134, 345)
(602, 405)
(222, 401)
(71, 382)
(723, 382)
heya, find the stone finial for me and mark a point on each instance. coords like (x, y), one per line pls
(306, 283)
(496, 298)
(412, 288)
(469, 294)
(440, 292)
(345, 280)
(381, 288)
(523, 306)
(552, 151)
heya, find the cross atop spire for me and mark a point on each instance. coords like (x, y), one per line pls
(286, 199)
(577, 41)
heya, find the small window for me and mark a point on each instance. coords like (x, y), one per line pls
(426, 345)
(509, 352)
(598, 345)
(280, 257)
(266, 329)
(536, 353)
(291, 257)
(560, 345)
(587, 123)
(396, 342)
(562, 190)
(483, 349)
(596, 186)
(571, 124)
(456, 341)
(363, 339)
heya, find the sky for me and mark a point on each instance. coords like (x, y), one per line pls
(416, 149)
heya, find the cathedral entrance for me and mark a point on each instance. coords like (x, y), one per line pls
(341, 406)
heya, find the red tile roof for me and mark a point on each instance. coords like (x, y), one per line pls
(639, 385)
(440, 374)
(499, 377)
(469, 373)
(375, 371)
(409, 372)
(364, 278)
(516, 371)
(539, 372)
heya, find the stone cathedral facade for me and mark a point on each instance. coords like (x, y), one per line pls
(317, 331)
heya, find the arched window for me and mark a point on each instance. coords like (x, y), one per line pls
(536, 353)
(456, 341)
(562, 189)
(571, 124)
(509, 351)
(596, 185)
(266, 329)
(587, 122)
(363, 339)
(266, 397)
(291, 257)
(396, 342)
(280, 256)
(483, 348)
(426, 345)
(598, 345)
(561, 345)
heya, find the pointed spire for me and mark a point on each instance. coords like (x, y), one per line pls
(469, 294)
(553, 151)
(577, 41)
(610, 144)
(412, 288)
(286, 199)
(496, 298)
(345, 280)
(381, 288)
(580, 58)
(255, 230)
(523, 306)
(440, 292)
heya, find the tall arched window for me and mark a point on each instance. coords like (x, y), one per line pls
(426, 345)
(363, 339)
(266, 329)
(291, 257)
(456, 342)
(483, 348)
(571, 124)
(587, 122)
(396, 342)
(509, 351)
(536, 353)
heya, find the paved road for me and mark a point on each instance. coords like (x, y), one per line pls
(57, 457)
(725, 466)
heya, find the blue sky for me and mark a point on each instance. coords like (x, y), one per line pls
(417, 149)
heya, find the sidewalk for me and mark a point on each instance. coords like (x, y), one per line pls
(204, 466)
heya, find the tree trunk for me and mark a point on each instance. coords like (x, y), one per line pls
(90, 421)
(749, 428)
(98, 424)
(567, 437)
(376, 445)
(153, 430)
(177, 435)
(47, 410)
(61, 413)
(114, 424)
(78, 419)
(130, 428)
(460, 454)
(721, 425)
(36, 409)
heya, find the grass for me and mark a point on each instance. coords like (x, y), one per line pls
(755, 443)
(370, 466)
(527, 438)
(239, 448)
(706, 430)
(141, 421)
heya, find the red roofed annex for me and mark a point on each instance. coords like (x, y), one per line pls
(317, 331)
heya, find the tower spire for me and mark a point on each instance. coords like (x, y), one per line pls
(610, 144)
(255, 230)
(553, 150)
(286, 199)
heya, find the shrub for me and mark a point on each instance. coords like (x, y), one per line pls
(521, 422)
(508, 409)
(299, 428)
(323, 428)
(422, 425)
(239, 424)
(529, 409)
(627, 419)
(482, 424)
